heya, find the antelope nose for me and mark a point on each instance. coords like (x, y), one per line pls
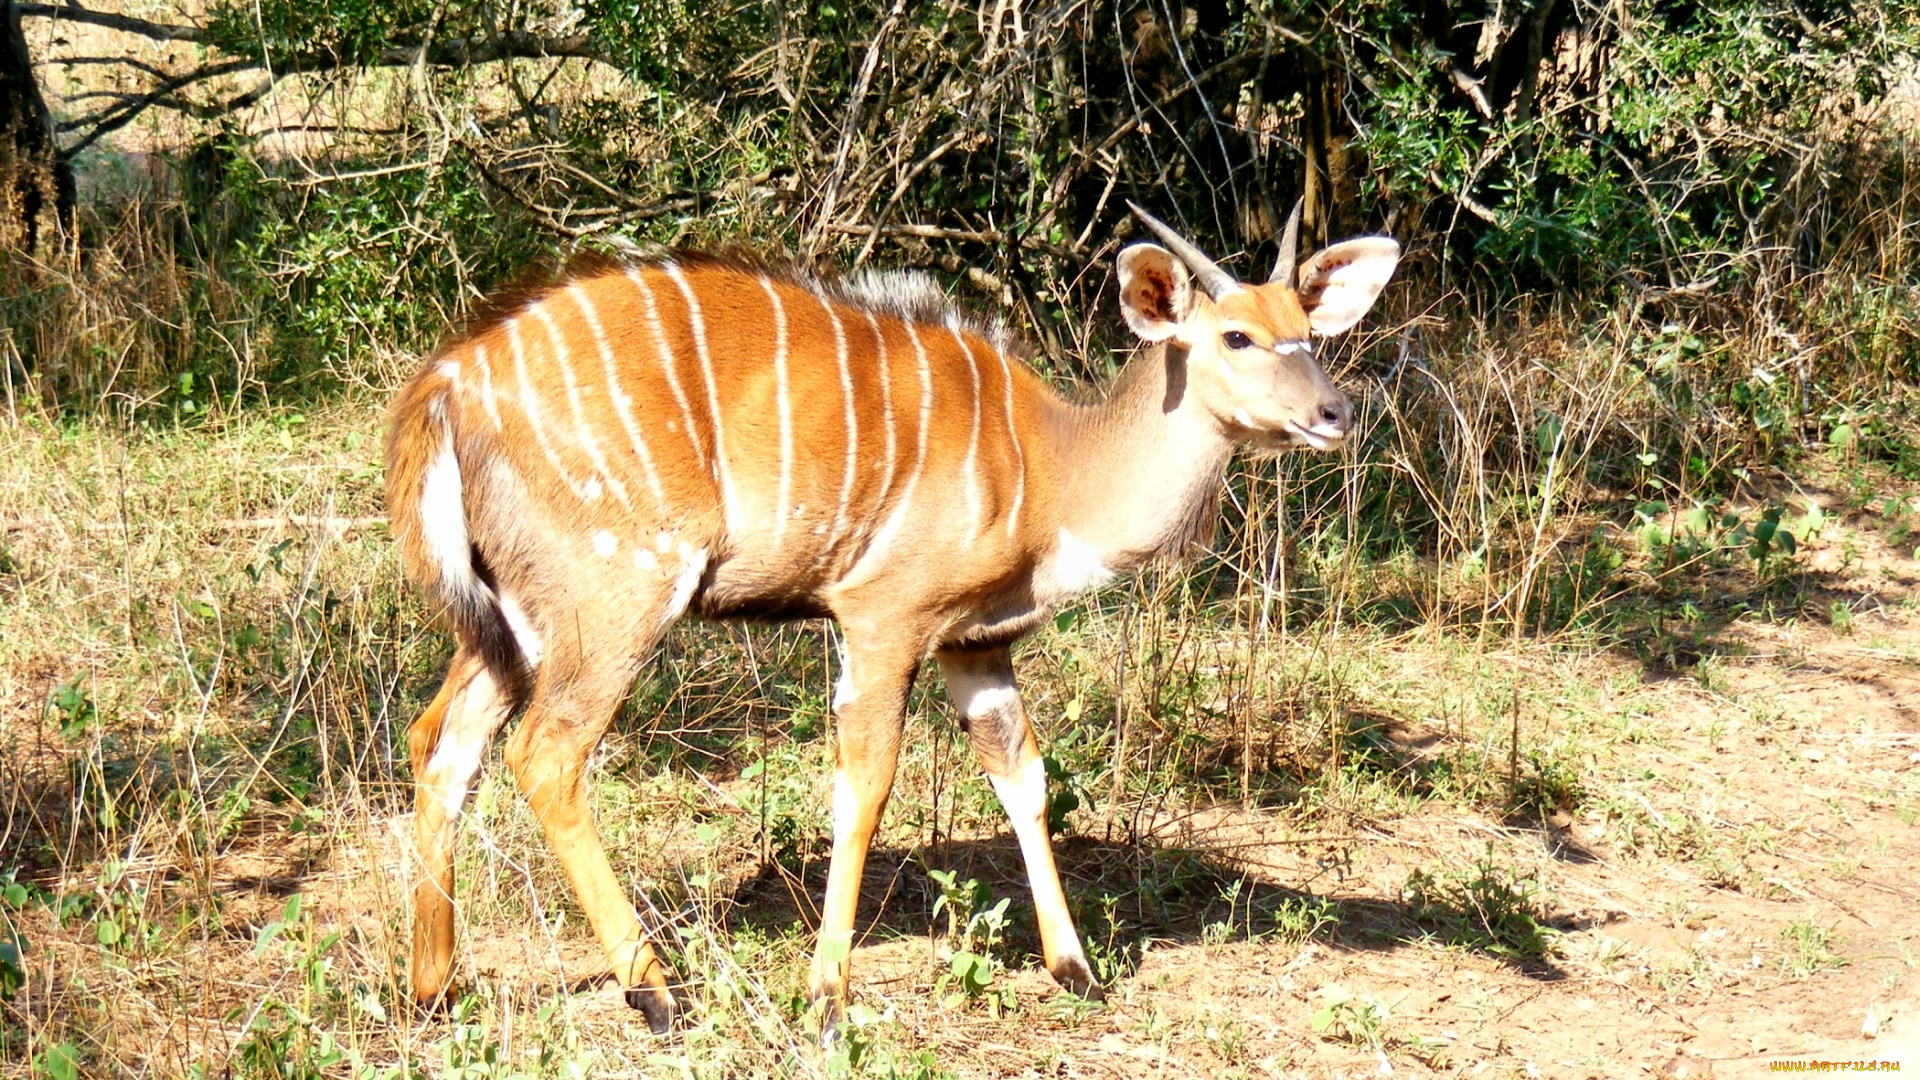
(1337, 412)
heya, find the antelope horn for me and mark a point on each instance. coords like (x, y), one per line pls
(1283, 270)
(1215, 281)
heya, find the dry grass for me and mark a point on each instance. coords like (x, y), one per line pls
(1307, 786)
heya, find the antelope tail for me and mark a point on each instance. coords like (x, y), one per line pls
(427, 503)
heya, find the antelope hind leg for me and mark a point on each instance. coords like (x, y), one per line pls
(446, 743)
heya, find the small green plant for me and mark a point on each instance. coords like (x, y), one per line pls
(1358, 1020)
(1486, 907)
(860, 1049)
(75, 709)
(59, 1061)
(1840, 614)
(287, 1039)
(1805, 949)
(974, 926)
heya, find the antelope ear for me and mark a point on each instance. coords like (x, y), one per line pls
(1339, 284)
(1155, 295)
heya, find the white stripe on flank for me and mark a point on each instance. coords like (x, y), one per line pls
(853, 424)
(870, 562)
(969, 470)
(486, 385)
(1019, 455)
(530, 404)
(622, 404)
(886, 409)
(784, 406)
(587, 441)
(699, 325)
(666, 363)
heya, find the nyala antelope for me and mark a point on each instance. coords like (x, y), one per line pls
(570, 476)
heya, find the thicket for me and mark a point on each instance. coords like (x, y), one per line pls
(1653, 250)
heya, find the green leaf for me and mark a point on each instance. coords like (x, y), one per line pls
(108, 932)
(61, 1062)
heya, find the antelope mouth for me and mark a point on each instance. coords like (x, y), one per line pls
(1318, 437)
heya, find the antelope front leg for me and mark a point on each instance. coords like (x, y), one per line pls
(981, 682)
(869, 707)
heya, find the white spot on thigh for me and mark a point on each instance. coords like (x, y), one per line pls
(592, 489)
(663, 543)
(604, 544)
(523, 629)
(645, 559)
(450, 369)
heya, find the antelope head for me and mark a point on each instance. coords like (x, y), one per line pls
(1249, 348)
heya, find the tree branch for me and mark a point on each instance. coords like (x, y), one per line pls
(123, 23)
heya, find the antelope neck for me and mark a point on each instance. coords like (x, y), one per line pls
(1140, 470)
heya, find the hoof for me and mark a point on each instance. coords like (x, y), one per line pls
(1073, 974)
(657, 1004)
(832, 1011)
(434, 1006)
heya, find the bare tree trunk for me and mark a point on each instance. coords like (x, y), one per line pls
(36, 181)
(1330, 190)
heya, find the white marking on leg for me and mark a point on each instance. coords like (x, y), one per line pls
(530, 404)
(844, 692)
(987, 698)
(852, 422)
(450, 370)
(443, 519)
(457, 755)
(524, 632)
(1024, 794)
(969, 472)
(486, 385)
(873, 559)
(783, 407)
(846, 808)
(645, 559)
(666, 363)
(593, 488)
(587, 442)
(604, 544)
(622, 404)
(728, 504)
(685, 584)
(1019, 455)
(886, 409)
(663, 542)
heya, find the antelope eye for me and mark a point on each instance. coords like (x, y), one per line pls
(1234, 339)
